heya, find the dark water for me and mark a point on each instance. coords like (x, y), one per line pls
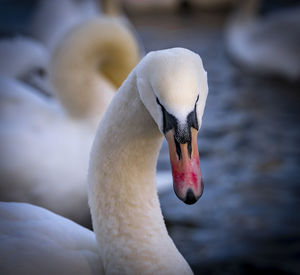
(15, 16)
(247, 221)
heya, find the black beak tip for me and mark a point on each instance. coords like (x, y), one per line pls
(190, 197)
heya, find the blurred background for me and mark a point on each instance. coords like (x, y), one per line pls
(247, 221)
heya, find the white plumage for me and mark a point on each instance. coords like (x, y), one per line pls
(45, 142)
(27, 61)
(36, 241)
(129, 227)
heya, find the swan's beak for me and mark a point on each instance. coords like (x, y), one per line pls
(187, 180)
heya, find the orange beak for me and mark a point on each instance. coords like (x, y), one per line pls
(187, 180)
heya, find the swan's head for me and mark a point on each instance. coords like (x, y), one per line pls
(173, 87)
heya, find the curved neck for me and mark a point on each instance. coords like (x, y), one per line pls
(92, 61)
(125, 209)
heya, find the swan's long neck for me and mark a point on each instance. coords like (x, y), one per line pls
(90, 63)
(125, 209)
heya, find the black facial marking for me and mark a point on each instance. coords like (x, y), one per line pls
(178, 150)
(192, 120)
(182, 133)
(190, 148)
(169, 121)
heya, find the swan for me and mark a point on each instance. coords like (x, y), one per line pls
(45, 142)
(53, 19)
(26, 60)
(263, 45)
(164, 95)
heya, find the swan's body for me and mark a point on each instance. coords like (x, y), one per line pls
(44, 153)
(268, 45)
(27, 61)
(35, 241)
(45, 143)
(129, 227)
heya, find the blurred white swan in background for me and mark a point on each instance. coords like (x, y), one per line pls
(44, 142)
(267, 45)
(52, 19)
(129, 227)
(25, 60)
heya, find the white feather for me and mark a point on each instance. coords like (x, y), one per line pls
(45, 143)
(130, 231)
